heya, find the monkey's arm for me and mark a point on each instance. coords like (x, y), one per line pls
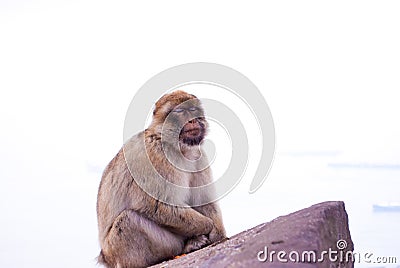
(217, 233)
(212, 211)
(184, 221)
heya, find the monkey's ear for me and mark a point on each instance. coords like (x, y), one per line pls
(154, 108)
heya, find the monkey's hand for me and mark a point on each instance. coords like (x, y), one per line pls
(196, 243)
(216, 235)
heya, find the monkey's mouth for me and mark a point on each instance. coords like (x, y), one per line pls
(193, 132)
(192, 136)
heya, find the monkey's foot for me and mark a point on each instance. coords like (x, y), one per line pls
(196, 243)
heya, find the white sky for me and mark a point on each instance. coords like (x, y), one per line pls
(69, 69)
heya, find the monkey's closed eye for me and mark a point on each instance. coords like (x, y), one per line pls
(192, 109)
(178, 110)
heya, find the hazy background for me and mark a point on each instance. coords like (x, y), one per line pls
(69, 69)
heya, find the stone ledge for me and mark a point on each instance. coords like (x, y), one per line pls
(316, 229)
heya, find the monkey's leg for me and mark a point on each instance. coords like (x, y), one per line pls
(135, 241)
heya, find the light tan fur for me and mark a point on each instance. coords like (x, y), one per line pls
(135, 228)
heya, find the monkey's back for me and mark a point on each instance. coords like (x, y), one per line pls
(116, 191)
(139, 161)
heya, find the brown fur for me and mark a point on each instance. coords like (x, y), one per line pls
(138, 230)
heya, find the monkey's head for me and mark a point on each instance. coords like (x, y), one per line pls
(181, 115)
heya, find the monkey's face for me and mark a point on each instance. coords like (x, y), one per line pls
(182, 118)
(188, 119)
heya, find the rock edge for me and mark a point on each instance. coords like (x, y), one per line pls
(308, 231)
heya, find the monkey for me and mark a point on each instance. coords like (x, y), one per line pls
(150, 204)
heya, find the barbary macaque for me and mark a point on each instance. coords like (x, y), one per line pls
(150, 206)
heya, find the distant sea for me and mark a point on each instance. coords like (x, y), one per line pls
(361, 184)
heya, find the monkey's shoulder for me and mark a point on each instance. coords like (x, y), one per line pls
(151, 137)
(144, 152)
